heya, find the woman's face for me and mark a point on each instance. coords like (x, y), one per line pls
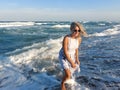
(76, 32)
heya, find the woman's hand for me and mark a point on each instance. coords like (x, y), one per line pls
(73, 65)
(78, 62)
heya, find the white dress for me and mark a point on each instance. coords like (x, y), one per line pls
(72, 45)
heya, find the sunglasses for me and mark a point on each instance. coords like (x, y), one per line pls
(76, 30)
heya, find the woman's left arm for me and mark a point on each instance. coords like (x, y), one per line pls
(77, 51)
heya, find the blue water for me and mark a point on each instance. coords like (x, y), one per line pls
(29, 53)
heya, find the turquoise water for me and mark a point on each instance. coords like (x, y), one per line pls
(29, 55)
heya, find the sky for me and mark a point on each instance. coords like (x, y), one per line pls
(59, 10)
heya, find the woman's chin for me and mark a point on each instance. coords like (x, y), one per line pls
(76, 36)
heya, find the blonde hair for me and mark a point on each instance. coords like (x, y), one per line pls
(74, 24)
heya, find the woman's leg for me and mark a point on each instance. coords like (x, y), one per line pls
(67, 75)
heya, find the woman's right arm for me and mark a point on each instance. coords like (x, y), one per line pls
(65, 49)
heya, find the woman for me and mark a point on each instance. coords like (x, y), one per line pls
(68, 54)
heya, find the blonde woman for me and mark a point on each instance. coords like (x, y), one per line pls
(68, 54)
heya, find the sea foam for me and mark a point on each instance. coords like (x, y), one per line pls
(15, 24)
(111, 31)
(61, 26)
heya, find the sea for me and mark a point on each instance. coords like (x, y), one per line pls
(29, 55)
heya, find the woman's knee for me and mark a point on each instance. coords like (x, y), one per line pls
(68, 76)
(67, 73)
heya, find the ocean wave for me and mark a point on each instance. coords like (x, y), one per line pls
(111, 31)
(16, 24)
(16, 67)
(60, 26)
(49, 45)
(43, 52)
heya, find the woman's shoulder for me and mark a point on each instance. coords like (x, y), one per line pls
(67, 37)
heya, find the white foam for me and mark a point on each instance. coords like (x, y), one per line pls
(61, 26)
(70, 81)
(71, 84)
(40, 23)
(85, 22)
(16, 24)
(101, 24)
(12, 77)
(113, 31)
